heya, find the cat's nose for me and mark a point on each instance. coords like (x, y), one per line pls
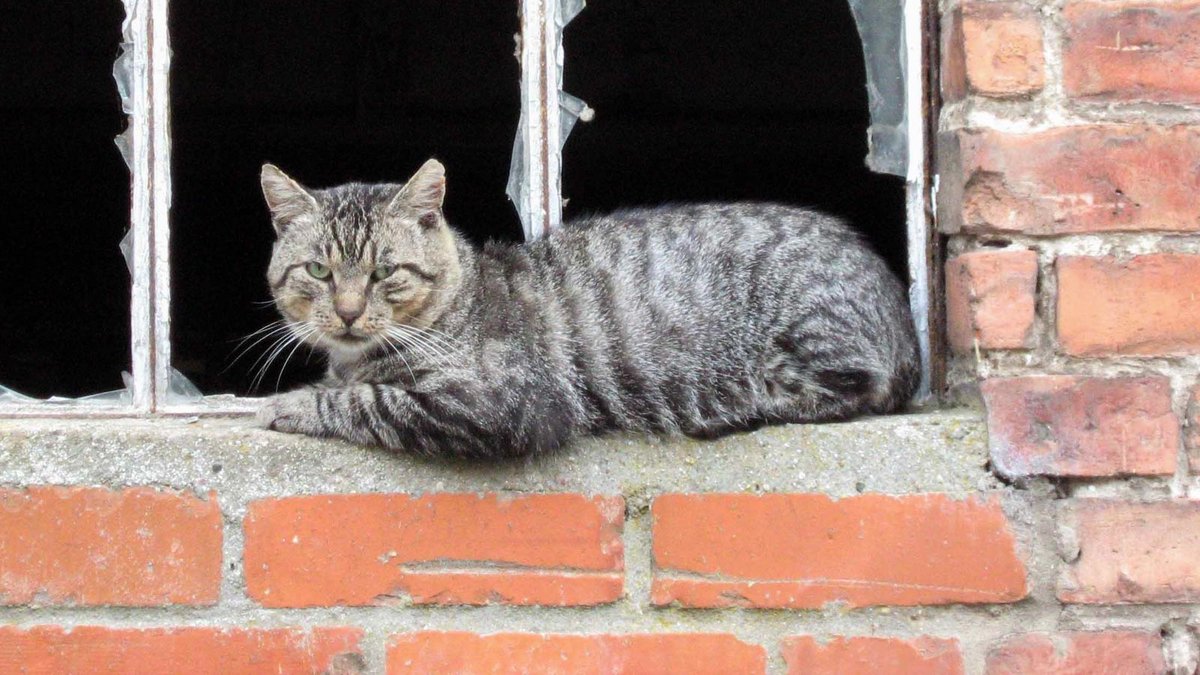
(349, 308)
(349, 315)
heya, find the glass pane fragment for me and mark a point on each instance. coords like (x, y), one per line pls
(881, 27)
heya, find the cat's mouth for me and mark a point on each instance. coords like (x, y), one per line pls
(345, 344)
(346, 339)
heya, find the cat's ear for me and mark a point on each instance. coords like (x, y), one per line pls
(286, 198)
(423, 194)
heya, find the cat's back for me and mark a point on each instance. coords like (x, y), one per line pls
(733, 227)
(715, 268)
(716, 246)
(703, 236)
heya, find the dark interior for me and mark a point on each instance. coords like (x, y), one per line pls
(64, 201)
(717, 100)
(698, 100)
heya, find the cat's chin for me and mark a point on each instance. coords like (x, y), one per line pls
(346, 347)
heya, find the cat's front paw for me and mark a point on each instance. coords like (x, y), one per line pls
(294, 412)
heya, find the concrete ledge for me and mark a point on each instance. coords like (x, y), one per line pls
(944, 451)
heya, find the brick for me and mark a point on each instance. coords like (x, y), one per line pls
(872, 656)
(1144, 306)
(95, 546)
(952, 75)
(378, 549)
(1101, 178)
(54, 650)
(521, 653)
(1132, 51)
(990, 300)
(992, 49)
(1081, 426)
(1115, 651)
(807, 550)
(1131, 552)
(1192, 438)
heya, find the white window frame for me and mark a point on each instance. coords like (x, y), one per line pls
(541, 55)
(924, 262)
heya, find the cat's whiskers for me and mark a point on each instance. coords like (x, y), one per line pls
(439, 345)
(271, 329)
(263, 362)
(413, 331)
(273, 324)
(412, 342)
(440, 352)
(295, 336)
(406, 315)
(430, 340)
(382, 338)
(316, 343)
(296, 346)
(447, 341)
(279, 337)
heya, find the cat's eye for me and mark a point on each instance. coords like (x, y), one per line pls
(382, 272)
(317, 270)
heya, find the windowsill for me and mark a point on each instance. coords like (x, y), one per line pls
(940, 451)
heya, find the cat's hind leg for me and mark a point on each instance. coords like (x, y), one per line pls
(821, 376)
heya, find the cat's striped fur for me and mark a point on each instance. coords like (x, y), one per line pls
(700, 319)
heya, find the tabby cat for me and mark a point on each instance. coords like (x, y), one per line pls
(702, 319)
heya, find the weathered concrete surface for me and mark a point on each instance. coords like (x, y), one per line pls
(929, 452)
(942, 451)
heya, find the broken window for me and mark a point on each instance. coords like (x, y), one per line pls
(698, 100)
(378, 89)
(716, 101)
(64, 328)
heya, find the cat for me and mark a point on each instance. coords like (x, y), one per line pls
(700, 319)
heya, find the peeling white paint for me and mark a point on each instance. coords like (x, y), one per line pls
(547, 115)
(919, 226)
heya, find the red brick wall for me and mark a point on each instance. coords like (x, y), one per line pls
(74, 557)
(84, 547)
(1069, 192)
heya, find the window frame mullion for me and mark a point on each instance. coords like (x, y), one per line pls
(162, 190)
(150, 169)
(921, 231)
(541, 55)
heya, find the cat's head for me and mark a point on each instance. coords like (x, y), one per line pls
(353, 264)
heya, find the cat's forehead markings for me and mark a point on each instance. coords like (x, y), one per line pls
(339, 256)
(332, 254)
(350, 228)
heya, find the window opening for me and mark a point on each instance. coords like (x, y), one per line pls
(376, 94)
(709, 100)
(380, 88)
(65, 328)
(772, 100)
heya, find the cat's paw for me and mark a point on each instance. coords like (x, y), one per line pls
(294, 412)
